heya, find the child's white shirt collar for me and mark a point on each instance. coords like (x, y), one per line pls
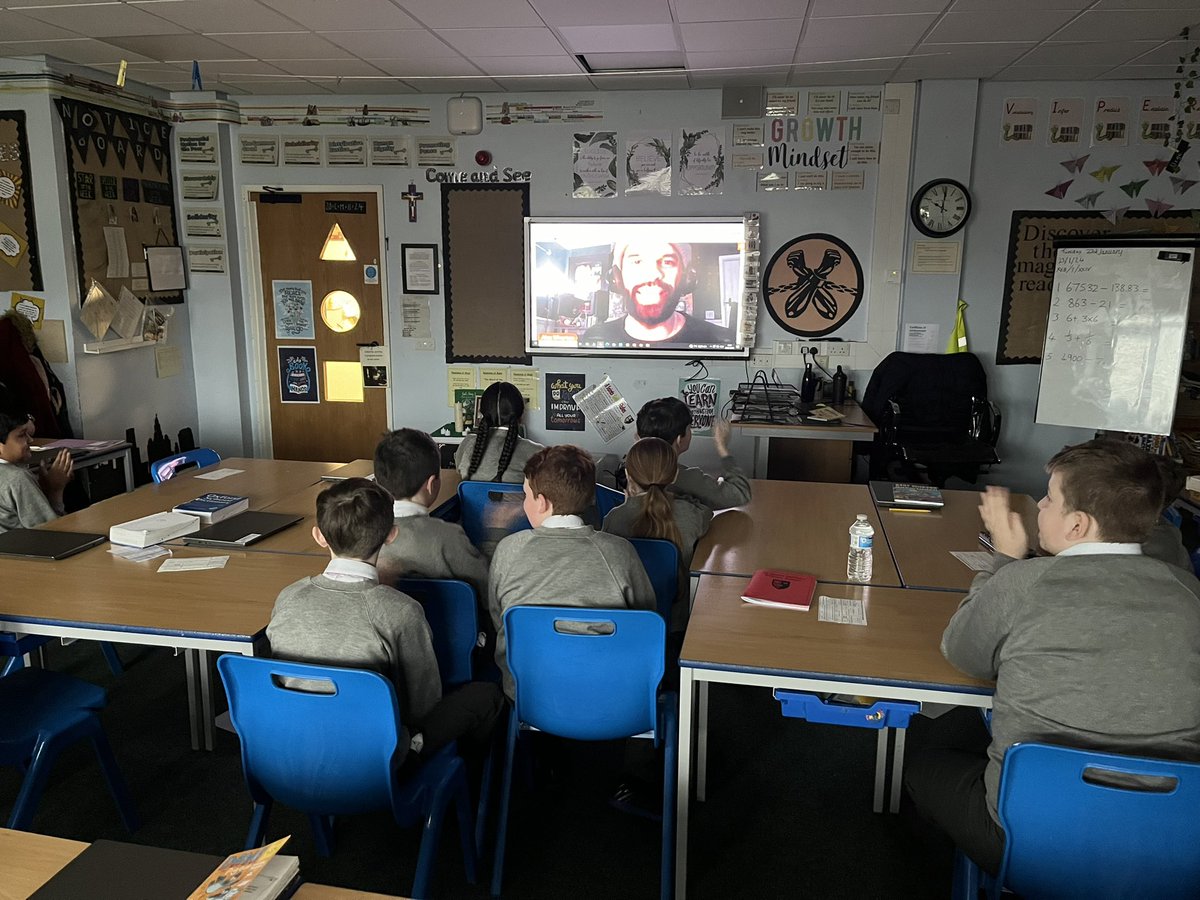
(351, 570)
(562, 522)
(1091, 548)
(404, 509)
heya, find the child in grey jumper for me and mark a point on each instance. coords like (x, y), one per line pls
(562, 561)
(408, 465)
(1097, 646)
(345, 617)
(27, 498)
(496, 451)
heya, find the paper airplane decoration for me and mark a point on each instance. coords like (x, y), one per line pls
(1075, 166)
(1155, 166)
(1182, 185)
(1133, 188)
(1060, 190)
(1088, 201)
(1157, 207)
(1113, 214)
(1104, 173)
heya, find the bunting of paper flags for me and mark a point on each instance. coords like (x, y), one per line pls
(1060, 190)
(1133, 188)
(1158, 207)
(1074, 166)
(1155, 166)
(1113, 214)
(1088, 201)
(1104, 173)
(1182, 185)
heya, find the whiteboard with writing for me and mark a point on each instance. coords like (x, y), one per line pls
(1114, 339)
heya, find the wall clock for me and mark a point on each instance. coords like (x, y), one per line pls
(940, 208)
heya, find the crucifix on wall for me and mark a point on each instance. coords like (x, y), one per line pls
(412, 195)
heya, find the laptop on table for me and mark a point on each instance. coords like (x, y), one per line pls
(241, 530)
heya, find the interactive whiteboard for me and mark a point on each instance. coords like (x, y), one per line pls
(1114, 339)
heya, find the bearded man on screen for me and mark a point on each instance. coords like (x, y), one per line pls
(654, 275)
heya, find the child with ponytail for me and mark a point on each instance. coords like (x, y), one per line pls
(496, 452)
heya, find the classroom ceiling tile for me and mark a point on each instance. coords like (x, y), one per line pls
(924, 70)
(29, 4)
(209, 16)
(323, 15)
(658, 59)
(591, 39)
(263, 87)
(998, 25)
(952, 56)
(610, 12)
(327, 68)
(413, 43)
(521, 84)
(1146, 4)
(457, 13)
(444, 65)
(705, 80)
(1160, 72)
(764, 34)
(102, 21)
(1166, 53)
(1131, 24)
(455, 85)
(766, 63)
(529, 65)
(743, 10)
(846, 76)
(1100, 53)
(16, 27)
(664, 81)
(821, 9)
(501, 41)
(284, 46)
(236, 69)
(1050, 73)
(990, 5)
(370, 86)
(866, 33)
(83, 51)
(184, 47)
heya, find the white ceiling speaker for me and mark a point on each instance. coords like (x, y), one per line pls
(464, 115)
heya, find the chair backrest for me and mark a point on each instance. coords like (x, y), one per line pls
(934, 389)
(607, 500)
(324, 753)
(1070, 835)
(491, 506)
(661, 561)
(165, 468)
(586, 674)
(450, 608)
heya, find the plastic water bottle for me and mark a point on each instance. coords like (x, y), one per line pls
(862, 536)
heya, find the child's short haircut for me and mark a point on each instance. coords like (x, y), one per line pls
(12, 415)
(667, 418)
(564, 475)
(1114, 482)
(404, 460)
(1174, 477)
(355, 516)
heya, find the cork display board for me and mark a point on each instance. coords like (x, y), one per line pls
(483, 243)
(122, 195)
(20, 268)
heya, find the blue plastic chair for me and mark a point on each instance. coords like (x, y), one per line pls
(165, 468)
(41, 714)
(452, 613)
(490, 506)
(330, 754)
(1069, 836)
(607, 500)
(591, 687)
(13, 648)
(661, 561)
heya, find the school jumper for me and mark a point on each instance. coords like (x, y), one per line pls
(22, 503)
(514, 474)
(426, 547)
(731, 488)
(1166, 543)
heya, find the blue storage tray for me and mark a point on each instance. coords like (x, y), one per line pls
(814, 708)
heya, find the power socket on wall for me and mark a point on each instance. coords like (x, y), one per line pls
(837, 349)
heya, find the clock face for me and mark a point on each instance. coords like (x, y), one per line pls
(941, 208)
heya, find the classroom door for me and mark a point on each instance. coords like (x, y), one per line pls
(318, 312)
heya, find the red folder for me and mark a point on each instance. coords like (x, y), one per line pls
(790, 590)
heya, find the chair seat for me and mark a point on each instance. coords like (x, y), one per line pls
(32, 698)
(966, 453)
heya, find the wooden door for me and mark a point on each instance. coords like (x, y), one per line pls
(307, 422)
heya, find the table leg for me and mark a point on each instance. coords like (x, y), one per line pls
(702, 742)
(127, 459)
(206, 697)
(762, 452)
(193, 692)
(881, 746)
(200, 698)
(682, 794)
(897, 768)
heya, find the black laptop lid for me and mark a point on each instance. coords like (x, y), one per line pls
(38, 543)
(108, 870)
(242, 530)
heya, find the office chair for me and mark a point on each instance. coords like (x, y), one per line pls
(934, 418)
(1081, 824)
(330, 754)
(165, 469)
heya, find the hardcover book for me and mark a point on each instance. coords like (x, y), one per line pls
(212, 507)
(789, 590)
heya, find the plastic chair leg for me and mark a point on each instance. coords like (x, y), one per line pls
(514, 728)
(435, 814)
(257, 834)
(670, 732)
(967, 880)
(110, 656)
(322, 828)
(486, 788)
(40, 763)
(466, 825)
(14, 663)
(116, 781)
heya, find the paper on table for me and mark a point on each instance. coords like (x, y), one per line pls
(98, 310)
(139, 554)
(128, 319)
(975, 560)
(218, 474)
(194, 564)
(118, 252)
(842, 610)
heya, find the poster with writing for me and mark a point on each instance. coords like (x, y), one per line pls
(703, 399)
(258, 151)
(298, 381)
(1154, 122)
(19, 265)
(561, 412)
(435, 151)
(346, 151)
(199, 185)
(1110, 127)
(782, 103)
(1019, 118)
(293, 309)
(197, 148)
(301, 151)
(701, 161)
(594, 165)
(1066, 122)
(648, 163)
(389, 151)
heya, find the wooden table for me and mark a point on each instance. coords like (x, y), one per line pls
(896, 656)
(28, 861)
(122, 450)
(921, 542)
(826, 451)
(796, 526)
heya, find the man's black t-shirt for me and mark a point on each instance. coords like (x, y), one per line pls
(694, 331)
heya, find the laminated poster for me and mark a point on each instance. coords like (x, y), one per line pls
(703, 399)
(1020, 116)
(301, 151)
(701, 162)
(389, 151)
(258, 151)
(561, 412)
(606, 409)
(1066, 122)
(1110, 127)
(648, 163)
(298, 381)
(594, 165)
(293, 310)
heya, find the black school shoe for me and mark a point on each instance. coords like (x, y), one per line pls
(635, 797)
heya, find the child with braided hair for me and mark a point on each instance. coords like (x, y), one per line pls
(496, 452)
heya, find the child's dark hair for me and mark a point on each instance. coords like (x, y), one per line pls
(1115, 483)
(355, 516)
(404, 460)
(667, 418)
(12, 414)
(564, 475)
(501, 406)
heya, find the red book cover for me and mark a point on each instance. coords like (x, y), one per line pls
(790, 590)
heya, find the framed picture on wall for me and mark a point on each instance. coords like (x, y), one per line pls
(419, 265)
